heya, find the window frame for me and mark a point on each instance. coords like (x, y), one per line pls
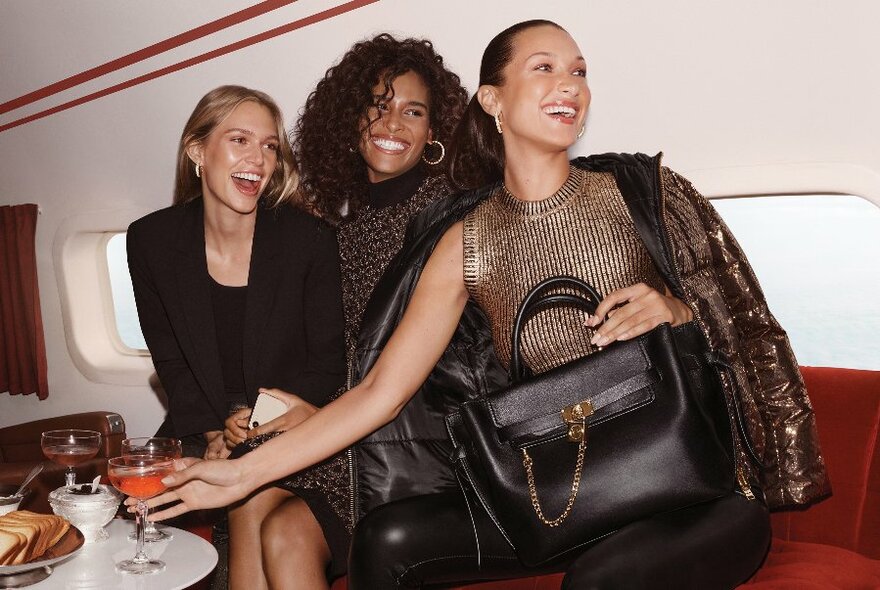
(79, 253)
(770, 180)
(829, 180)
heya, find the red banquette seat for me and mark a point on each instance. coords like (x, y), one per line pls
(834, 544)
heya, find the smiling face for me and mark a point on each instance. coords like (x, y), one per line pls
(394, 141)
(544, 98)
(238, 158)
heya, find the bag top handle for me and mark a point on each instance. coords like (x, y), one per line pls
(537, 299)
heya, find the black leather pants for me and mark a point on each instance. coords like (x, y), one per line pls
(430, 540)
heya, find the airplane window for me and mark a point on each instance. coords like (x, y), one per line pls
(127, 324)
(816, 259)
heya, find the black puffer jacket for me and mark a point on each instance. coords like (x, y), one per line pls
(409, 456)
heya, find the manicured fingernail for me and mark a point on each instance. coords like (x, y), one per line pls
(595, 339)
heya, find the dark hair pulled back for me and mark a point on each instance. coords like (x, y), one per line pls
(477, 151)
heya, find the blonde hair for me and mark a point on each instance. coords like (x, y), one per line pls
(212, 110)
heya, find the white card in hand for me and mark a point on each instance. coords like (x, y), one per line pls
(267, 408)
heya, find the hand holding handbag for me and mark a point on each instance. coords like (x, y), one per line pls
(573, 454)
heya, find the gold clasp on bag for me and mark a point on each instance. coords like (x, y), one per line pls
(575, 416)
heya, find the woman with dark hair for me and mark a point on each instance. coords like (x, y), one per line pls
(370, 145)
(540, 216)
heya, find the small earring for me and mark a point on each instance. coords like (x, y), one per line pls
(438, 160)
(198, 170)
(498, 122)
(581, 132)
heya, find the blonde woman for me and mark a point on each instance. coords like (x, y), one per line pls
(236, 289)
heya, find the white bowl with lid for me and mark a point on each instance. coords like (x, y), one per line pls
(89, 512)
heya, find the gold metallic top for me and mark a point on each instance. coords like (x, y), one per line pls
(583, 230)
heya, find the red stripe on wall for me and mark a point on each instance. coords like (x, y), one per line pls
(145, 53)
(298, 24)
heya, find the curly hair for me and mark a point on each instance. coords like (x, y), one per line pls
(333, 174)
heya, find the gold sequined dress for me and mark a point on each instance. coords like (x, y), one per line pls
(583, 230)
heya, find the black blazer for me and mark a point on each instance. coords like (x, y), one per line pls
(293, 327)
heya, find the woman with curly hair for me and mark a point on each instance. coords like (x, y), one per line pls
(370, 144)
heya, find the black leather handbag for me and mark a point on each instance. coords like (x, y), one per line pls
(573, 454)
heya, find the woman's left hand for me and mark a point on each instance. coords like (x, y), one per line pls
(642, 309)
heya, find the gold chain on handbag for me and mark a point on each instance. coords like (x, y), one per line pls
(576, 418)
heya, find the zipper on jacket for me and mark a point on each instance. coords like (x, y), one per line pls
(744, 483)
(349, 455)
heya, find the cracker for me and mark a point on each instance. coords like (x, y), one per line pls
(11, 543)
(39, 532)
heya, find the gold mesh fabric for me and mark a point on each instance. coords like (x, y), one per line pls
(583, 230)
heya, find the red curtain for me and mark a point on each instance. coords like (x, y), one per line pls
(22, 345)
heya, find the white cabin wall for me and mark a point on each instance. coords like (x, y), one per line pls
(712, 84)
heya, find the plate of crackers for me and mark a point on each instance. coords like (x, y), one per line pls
(29, 540)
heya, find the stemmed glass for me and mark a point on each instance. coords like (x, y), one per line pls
(139, 476)
(156, 446)
(70, 447)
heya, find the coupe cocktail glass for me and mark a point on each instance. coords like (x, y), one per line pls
(139, 476)
(70, 447)
(156, 446)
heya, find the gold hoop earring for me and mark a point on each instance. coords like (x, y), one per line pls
(198, 170)
(438, 160)
(498, 122)
(581, 132)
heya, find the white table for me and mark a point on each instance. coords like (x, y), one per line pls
(188, 558)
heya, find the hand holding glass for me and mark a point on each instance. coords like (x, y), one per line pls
(70, 447)
(139, 476)
(155, 446)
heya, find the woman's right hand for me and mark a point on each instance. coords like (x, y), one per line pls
(235, 428)
(201, 484)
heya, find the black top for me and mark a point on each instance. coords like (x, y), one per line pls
(229, 305)
(292, 327)
(394, 190)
